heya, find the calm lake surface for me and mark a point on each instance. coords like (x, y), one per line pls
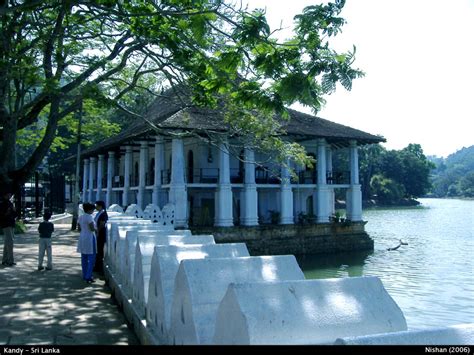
(432, 278)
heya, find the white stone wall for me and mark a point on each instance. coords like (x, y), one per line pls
(201, 284)
(165, 264)
(140, 262)
(305, 312)
(148, 239)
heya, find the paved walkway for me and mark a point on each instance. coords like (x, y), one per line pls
(56, 307)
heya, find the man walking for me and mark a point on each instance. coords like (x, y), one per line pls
(7, 223)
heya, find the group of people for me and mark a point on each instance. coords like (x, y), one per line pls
(91, 243)
(92, 239)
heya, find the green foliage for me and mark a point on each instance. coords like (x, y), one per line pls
(390, 175)
(454, 176)
(386, 190)
(114, 53)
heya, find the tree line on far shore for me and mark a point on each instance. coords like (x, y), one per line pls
(398, 177)
(390, 177)
(454, 175)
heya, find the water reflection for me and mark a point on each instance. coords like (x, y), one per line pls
(322, 266)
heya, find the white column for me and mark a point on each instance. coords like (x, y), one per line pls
(85, 180)
(223, 202)
(332, 194)
(286, 196)
(126, 175)
(110, 175)
(100, 172)
(142, 169)
(159, 166)
(92, 175)
(249, 205)
(354, 193)
(322, 190)
(177, 193)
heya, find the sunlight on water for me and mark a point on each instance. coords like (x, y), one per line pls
(432, 278)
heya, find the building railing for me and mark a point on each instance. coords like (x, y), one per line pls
(263, 176)
(211, 176)
(338, 177)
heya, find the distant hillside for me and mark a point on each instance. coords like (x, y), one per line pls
(454, 175)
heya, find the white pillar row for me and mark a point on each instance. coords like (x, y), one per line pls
(322, 189)
(85, 180)
(249, 196)
(286, 196)
(332, 193)
(126, 175)
(159, 166)
(354, 193)
(92, 175)
(223, 200)
(177, 193)
(142, 169)
(109, 200)
(100, 174)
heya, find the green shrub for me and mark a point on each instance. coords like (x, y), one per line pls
(20, 228)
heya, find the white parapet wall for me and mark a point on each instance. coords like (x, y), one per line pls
(201, 284)
(148, 240)
(148, 230)
(134, 210)
(164, 267)
(113, 233)
(115, 208)
(153, 213)
(152, 237)
(305, 312)
(460, 334)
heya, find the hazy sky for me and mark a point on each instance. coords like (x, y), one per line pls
(418, 56)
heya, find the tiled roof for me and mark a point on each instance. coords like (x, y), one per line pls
(170, 112)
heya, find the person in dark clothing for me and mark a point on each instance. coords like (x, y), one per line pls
(7, 223)
(45, 229)
(101, 222)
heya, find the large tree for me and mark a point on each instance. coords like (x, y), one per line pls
(56, 53)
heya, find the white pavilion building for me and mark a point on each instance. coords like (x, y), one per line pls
(222, 184)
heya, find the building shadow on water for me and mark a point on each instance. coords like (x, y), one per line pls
(322, 266)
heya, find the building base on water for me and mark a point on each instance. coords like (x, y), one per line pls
(321, 238)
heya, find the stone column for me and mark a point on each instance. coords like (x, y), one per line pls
(354, 193)
(322, 190)
(110, 175)
(126, 175)
(223, 202)
(286, 196)
(159, 166)
(92, 175)
(178, 194)
(332, 194)
(85, 179)
(249, 205)
(100, 172)
(142, 169)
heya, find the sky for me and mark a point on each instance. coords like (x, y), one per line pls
(418, 57)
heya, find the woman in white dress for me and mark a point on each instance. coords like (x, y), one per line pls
(87, 243)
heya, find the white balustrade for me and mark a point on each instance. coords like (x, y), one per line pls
(164, 267)
(201, 284)
(305, 312)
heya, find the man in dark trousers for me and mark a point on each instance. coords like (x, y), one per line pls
(101, 222)
(7, 223)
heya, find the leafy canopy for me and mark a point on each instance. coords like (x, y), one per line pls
(55, 54)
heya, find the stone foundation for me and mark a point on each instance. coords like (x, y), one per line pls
(322, 238)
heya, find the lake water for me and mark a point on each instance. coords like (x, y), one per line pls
(432, 278)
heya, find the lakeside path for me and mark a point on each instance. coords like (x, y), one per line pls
(56, 307)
